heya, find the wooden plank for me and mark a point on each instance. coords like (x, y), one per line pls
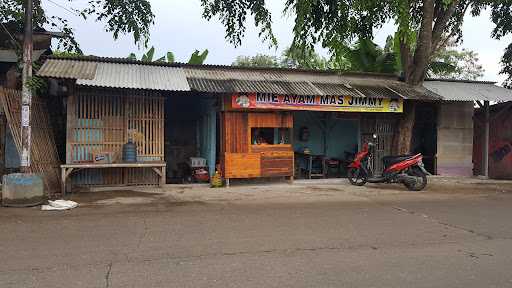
(270, 119)
(278, 154)
(236, 133)
(275, 164)
(242, 165)
(114, 165)
(271, 148)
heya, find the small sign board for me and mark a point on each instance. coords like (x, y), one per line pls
(25, 115)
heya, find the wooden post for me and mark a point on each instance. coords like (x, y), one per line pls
(485, 148)
(26, 98)
(212, 135)
(164, 176)
(71, 122)
(63, 181)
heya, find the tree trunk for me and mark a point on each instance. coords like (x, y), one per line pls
(415, 69)
(406, 127)
(423, 50)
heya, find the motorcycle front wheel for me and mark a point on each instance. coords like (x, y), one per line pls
(420, 180)
(357, 176)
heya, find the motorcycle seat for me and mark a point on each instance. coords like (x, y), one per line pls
(390, 160)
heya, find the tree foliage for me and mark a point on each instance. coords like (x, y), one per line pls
(507, 66)
(120, 17)
(260, 60)
(366, 56)
(308, 59)
(289, 59)
(456, 64)
(423, 27)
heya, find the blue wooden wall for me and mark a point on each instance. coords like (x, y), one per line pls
(207, 131)
(341, 134)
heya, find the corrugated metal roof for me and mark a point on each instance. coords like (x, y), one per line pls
(136, 76)
(332, 89)
(377, 91)
(117, 75)
(414, 93)
(248, 74)
(210, 85)
(122, 73)
(68, 69)
(247, 86)
(468, 91)
(218, 80)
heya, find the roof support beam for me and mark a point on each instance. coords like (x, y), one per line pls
(485, 150)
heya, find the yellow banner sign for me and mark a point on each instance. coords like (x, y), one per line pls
(316, 103)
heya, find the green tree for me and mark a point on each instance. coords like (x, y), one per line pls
(289, 59)
(120, 17)
(366, 56)
(309, 59)
(260, 60)
(447, 63)
(455, 64)
(423, 27)
(507, 66)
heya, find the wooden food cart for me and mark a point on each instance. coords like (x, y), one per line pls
(256, 144)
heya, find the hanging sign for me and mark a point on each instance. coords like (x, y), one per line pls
(25, 115)
(316, 103)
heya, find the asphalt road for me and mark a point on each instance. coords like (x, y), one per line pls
(395, 241)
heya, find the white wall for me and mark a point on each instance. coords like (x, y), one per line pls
(455, 139)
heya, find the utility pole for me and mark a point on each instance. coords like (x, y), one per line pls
(26, 97)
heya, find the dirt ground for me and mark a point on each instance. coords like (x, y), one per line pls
(299, 191)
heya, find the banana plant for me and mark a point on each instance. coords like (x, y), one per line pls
(197, 58)
(148, 56)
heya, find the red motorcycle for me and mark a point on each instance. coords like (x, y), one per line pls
(406, 169)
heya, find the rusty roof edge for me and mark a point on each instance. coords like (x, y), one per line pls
(460, 81)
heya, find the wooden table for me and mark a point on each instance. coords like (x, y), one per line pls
(67, 169)
(309, 160)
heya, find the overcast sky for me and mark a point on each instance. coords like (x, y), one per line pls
(180, 28)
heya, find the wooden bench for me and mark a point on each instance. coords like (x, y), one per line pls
(67, 169)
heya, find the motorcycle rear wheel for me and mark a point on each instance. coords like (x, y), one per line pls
(421, 180)
(357, 176)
